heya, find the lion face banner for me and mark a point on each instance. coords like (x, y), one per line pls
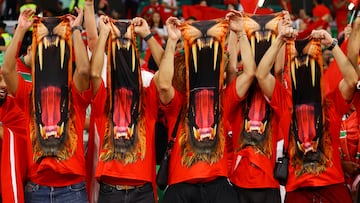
(256, 128)
(52, 132)
(310, 144)
(202, 137)
(262, 31)
(125, 139)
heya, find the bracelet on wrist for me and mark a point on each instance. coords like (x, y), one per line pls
(147, 37)
(333, 44)
(76, 27)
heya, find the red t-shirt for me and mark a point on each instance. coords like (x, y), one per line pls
(51, 171)
(199, 172)
(253, 170)
(142, 170)
(341, 16)
(333, 174)
(12, 147)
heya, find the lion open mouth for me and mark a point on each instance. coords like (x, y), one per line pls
(51, 76)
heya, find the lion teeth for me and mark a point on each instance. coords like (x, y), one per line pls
(252, 42)
(131, 130)
(307, 60)
(61, 129)
(113, 46)
(262, 127)
(312, 66)
(211, 42)
(40, 55)
(194, 52)
(214, 130)
(132, 58)
(118, 44)
(297, 63)
(62, 52)
(199, 44)
(316, 143)
(293, 73)
(128, 45)
(216, 48)
(300, 146)
(57, 41)
(268, 36)
(46, 43)
(196, 134)
(257, 35)
(247, 125)
(42, 131)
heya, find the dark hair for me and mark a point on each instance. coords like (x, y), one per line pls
(151, 22)
(26, 42)
(2, 25)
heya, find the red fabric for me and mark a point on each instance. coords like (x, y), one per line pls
(50, 171)
(200, 171)
(149, 9)
(255, 170)
(264, 11)
(132, 173)
(320, 10)
(12, 147)
(249, 5)
(21, 67)
(328, 194)
(333, 173)
(233, 2)
(202, 12)
(341, 16)
(312, 26)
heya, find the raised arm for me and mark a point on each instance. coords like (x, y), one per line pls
(9, 63)
(354, 45)
(244, 80)
(263, 75)
(163, 77)
(142, 29)
(348, 83)
(97, 59)
(81, 76)
(90, 24)
(280, 59)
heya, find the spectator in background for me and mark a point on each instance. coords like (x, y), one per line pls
(23, 60)
(286, 4)
(231, 4)
(170, 8)
(103, 7)
(160, 34)
(341, 14)
(203, 3)
(10, 9)
(154, 5)
(5, 39)
(304, 16)
(157, 28)
(131, 7)
(321, 11)
(29, 4)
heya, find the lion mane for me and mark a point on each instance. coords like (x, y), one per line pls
(190, 155)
